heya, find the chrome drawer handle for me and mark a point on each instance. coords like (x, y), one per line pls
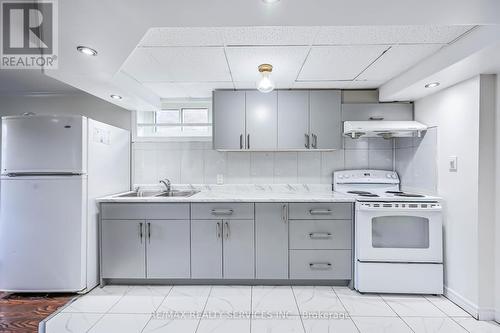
(320, 266)
(320, 235)
(222, 212)
(320, 211)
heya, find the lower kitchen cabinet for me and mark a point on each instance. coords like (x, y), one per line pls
(238, 249)
(271, 241)
(145, 249)
(167, 249)
(222, 249)
(206, 249)
(123, 249)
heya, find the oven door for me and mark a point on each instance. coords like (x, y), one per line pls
(399, 232)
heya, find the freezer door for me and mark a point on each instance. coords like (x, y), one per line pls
(44, 144)
(42, 234)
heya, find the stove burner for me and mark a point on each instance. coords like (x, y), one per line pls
(409, 195)
(370, 195)
(358, 192)
(394, 192)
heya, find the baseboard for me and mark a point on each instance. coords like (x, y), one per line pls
(462, 302)
(470, 307)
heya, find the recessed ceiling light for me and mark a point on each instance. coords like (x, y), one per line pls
(86, 50)
(117, 97)
(270, 1)
(432, 85)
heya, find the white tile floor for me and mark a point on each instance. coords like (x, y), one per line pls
(259, 309)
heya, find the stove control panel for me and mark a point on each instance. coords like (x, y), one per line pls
(365, 177)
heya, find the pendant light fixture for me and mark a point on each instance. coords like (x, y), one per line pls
(265, 84)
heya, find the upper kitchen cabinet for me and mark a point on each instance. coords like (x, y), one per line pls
(261, 120)
(229, 119)
(377, 111)
(293, 120)
(325, 119)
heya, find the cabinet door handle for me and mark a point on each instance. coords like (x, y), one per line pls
(320, 211)
(320, 266)
(222, 212)
(241, 141)
(149, 232)
(376, 118)
(226, 228)
(320, 235)
(315, 141)
(307, 141)
(219, 235)
(284, 214)
(248, 141)
(140, 231)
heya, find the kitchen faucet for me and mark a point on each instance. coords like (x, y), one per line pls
(167, 183)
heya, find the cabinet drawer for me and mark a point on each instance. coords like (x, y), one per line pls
(145, 211)
(320, 211)
(217, 211)
(320, 264)
(321, 234)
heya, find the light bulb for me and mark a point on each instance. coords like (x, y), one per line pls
(265, 83)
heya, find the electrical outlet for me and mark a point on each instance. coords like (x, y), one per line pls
(220, 179)
(452, 164)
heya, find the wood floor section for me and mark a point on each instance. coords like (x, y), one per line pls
(23, 313)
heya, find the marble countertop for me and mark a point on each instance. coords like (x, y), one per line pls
(245, 193)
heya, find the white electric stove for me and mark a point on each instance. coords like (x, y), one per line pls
(398, 235)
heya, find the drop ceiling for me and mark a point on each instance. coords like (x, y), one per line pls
(190, 62)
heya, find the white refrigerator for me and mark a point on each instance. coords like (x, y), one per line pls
(53, 169)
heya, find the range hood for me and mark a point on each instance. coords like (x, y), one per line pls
(383, 128)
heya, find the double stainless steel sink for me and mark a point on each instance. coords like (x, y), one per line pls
(150, 194)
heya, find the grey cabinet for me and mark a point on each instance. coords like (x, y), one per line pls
(325, 119)
(293, 119)
(206, 249)
(229, 120)
(377, 111)
(238, 249)
(261, 120)
(271, 241)
(167, 249)
(123, 249)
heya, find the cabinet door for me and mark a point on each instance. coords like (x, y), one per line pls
(123, 249)
(325, 117)
(293, 119)
(261, 120)
(377, 111)
(229, 119)
(167, 249)
(271, 241)
(238, 249)
(206, 249)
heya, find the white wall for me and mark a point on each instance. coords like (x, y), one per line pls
(77, 104)
(463, 117)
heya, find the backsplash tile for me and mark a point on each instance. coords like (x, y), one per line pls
(415, 162)
(198, 163)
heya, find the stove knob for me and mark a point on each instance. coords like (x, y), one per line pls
(347, 176)
(388, 175)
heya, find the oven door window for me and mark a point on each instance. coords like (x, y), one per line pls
(409, 232)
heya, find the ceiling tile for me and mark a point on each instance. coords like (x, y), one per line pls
(192, 64)
(167, 89)
(186, 90)
(183, 37)
(356, 35)
(334, 63)
(286, 62)
(143, 67)
(398, 59)
(269, 35)
(337, 84)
